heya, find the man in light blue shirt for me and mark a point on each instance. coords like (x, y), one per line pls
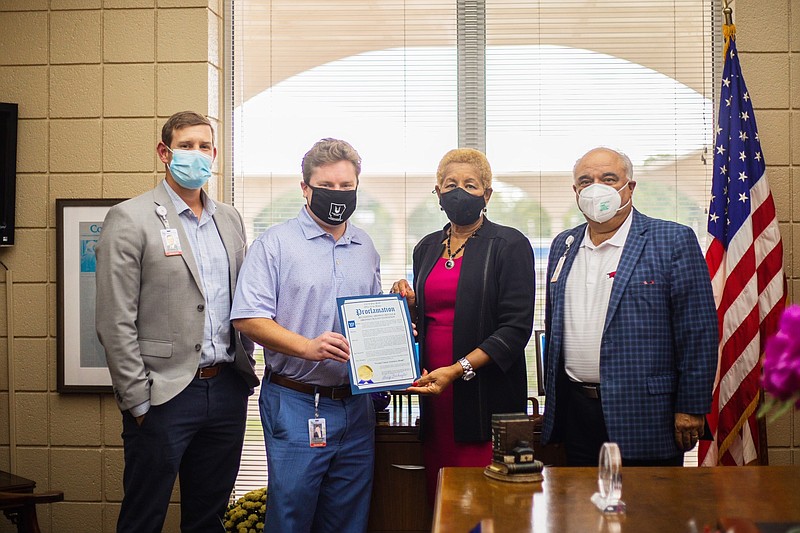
(319, 437)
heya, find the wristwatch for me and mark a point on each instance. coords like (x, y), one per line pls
(469, 372)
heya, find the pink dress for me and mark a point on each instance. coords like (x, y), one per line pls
(440, 448)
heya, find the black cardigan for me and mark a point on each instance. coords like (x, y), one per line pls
(494, 312)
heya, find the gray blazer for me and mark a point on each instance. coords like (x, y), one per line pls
(150, 307)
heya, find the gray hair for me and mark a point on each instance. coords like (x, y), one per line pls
(627, 165)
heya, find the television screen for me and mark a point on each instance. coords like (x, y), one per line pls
(8, 171)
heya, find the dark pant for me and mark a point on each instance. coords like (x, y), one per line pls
(197, 434)
(585, 432)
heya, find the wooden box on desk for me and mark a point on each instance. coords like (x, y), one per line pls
(399, 496)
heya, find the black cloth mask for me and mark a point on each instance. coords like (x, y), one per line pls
(332, 206)
(461, 207)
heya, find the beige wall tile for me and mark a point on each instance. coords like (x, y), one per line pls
(795, 135)
(4, 428)
(76, 91)
(3, 331)
(113, 466)
(52, 309)
(762, 26)
(172, 524)
(129, 91)
(27, 45)
(127, 185)
(52, 354)
(780, 182)
(5, 458)
(112, 421)
(52, 254)
(26, 86)
(779, 432)
(75, 37)
(174, 46)
(110, 515)
(794, 84)
(183, 3)
(773, 130)
(121, 4)
(793, 257)
(780, 456)
(32, 146)
(786, 237)
(72, 516)
(794, 29)
(75, 145)
(65, 462)
(75, 420)
(75, 4)
(3, 365)
(30, 364)
(796, 194)
(121, 45)
(30, 310)
(32, 418)
(767, 77)
(23, 5)
(73, 186)
(31, 204)
(128, 145)
(33, 462)
(25, 257)
(182, 86)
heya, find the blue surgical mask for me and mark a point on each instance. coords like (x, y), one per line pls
(191, 169)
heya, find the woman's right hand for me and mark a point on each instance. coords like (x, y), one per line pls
(402, 288)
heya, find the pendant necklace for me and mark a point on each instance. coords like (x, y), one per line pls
(450, 263)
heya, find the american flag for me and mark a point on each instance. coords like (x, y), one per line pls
(745, 260)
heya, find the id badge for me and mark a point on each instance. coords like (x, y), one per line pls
(317, 434)
(172, 244)
(557, 271)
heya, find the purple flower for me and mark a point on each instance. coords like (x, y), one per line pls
(781, 377)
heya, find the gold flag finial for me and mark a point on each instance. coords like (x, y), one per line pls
(728, 12)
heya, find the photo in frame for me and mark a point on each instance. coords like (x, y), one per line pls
(81, 359)
(539, 338)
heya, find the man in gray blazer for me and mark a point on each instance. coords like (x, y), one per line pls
(167, 263)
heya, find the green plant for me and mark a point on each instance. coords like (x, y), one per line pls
(247, 514)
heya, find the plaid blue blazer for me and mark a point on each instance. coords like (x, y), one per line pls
(658, 354)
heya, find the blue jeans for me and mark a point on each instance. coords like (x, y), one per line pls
(318, 490)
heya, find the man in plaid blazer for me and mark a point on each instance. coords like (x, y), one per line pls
(631, 327)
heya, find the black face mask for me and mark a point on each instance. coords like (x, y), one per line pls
(461, 207)
(332, 207)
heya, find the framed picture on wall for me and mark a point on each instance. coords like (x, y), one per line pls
(538, 336)
(81, 359)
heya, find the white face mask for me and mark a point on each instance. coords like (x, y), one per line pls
(601, 202)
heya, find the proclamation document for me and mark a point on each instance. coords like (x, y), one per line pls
(382, 351)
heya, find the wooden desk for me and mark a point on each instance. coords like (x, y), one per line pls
(658, 499)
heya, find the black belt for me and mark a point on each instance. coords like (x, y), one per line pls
(334, 393)
(590, 390)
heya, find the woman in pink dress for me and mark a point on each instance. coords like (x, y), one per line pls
(472, 303)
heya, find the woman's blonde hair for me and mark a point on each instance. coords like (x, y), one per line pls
(470, 156)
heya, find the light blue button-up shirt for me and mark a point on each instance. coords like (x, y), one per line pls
(212, 262)
(293, 274)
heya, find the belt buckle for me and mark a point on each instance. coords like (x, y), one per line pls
(207, 372)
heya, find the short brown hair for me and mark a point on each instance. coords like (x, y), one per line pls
(470, 156)
(181, 120)
(328, 151)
